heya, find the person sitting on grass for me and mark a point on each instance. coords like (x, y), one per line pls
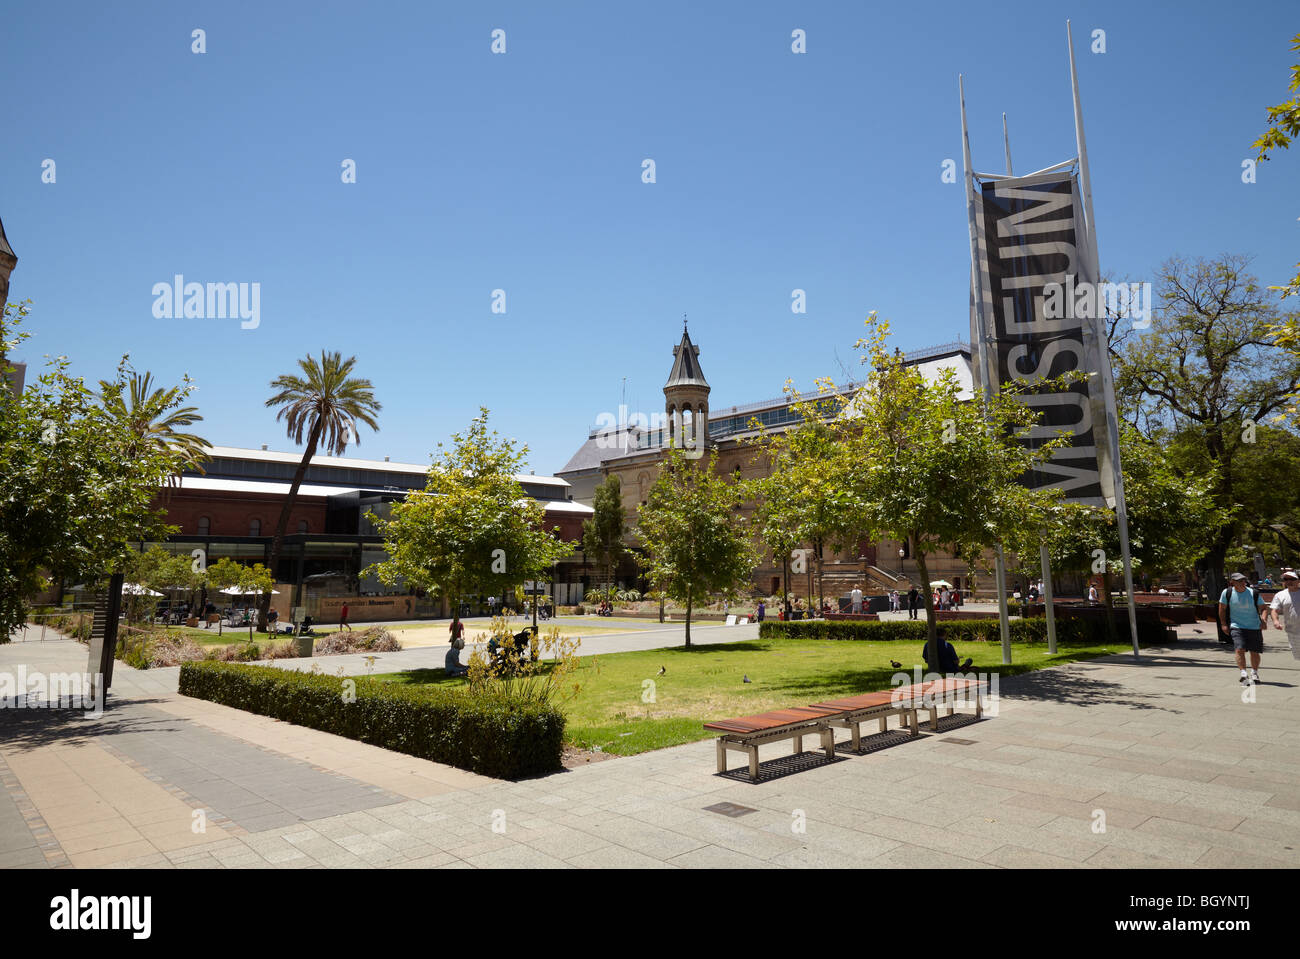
(948, 662)
(451, 665)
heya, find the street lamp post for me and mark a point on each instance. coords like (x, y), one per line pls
(901, 553)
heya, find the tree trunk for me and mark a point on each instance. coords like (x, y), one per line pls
(264, 607)
(821, 595)
(931, 626)
(1109, 604)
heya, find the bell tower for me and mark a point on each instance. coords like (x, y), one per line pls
(686, 398)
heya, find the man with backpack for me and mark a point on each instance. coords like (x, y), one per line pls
(1239, 614)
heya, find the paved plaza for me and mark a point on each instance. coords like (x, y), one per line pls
(1107, 763)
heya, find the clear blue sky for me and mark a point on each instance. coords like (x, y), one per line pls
(522, 172)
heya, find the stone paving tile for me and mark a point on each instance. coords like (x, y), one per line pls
(616, 857)
(1018, 857)
(1219, 838)
(717, 857)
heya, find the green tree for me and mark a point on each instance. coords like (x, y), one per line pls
(932, 468)
(74, 488)
(154, 416)
(1168, 513)
(1283, 124)
(472, 529)
(695, 543)
(1203, 378)
(604, 531)
(249, 580)
(804, 497)
(326, 403)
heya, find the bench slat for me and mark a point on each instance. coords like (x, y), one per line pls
(775, 719)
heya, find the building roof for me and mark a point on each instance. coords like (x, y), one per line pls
(354, 463)
(686, 365)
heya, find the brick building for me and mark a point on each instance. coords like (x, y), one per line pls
(231, 510)
(633, 449)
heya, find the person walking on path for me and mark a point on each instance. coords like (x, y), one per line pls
(1286, 610)
(912, 596)
(761, 611)
(895, 605)
(343, 619)
(856, 597)
(457, 629)
(1239, 607)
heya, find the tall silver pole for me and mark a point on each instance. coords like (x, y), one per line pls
(1103, 364)
(977, 279)
(1006, 143)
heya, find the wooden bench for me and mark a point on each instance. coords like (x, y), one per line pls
(747, 733)
(856, 710)
(947, 692)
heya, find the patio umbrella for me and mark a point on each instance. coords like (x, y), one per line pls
(135, 589)
(940, 583)
(236, 591)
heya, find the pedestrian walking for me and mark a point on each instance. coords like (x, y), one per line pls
(856, 597)
(343, 619)
(1239, 607)
(761, 611)
(912, 596)
(1286, 610)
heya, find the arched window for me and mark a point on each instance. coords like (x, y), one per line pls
(205, 525)
(254, 527)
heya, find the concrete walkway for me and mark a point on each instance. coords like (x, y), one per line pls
(1108, 763)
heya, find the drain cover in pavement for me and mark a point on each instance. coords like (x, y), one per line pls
(958, 742)
(729, 809)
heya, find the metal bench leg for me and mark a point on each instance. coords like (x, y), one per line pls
(798, 744)
(934, 718)
(753, 764)
(722, 755)
(916, 731)
(828, 741)
(979, 704)
(884, 724)
(856, 729)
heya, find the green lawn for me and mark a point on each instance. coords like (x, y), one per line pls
(706, 683)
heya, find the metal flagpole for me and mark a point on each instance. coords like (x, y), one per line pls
(1044, 559)
(1103, 358)
(977, 280)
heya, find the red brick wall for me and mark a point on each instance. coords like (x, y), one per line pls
(229, 514)
(570, 525)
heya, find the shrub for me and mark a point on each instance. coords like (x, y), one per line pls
(373, 639)
(174, 650)
(239, 653)
(1080, 631)
(485, 734)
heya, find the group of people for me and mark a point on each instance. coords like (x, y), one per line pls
(1243, 616)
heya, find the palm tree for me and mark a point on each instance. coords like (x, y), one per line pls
(325, 404)
(151, 415)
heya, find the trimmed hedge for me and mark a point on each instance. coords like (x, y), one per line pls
(484, 734)
(1082, 631)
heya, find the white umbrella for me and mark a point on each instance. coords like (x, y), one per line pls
(236, 591)
(135, 589)
(940, 583)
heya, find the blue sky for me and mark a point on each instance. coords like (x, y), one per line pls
(522, 172)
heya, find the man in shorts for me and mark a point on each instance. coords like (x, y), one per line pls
(1239, 614)
(1286, 610)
